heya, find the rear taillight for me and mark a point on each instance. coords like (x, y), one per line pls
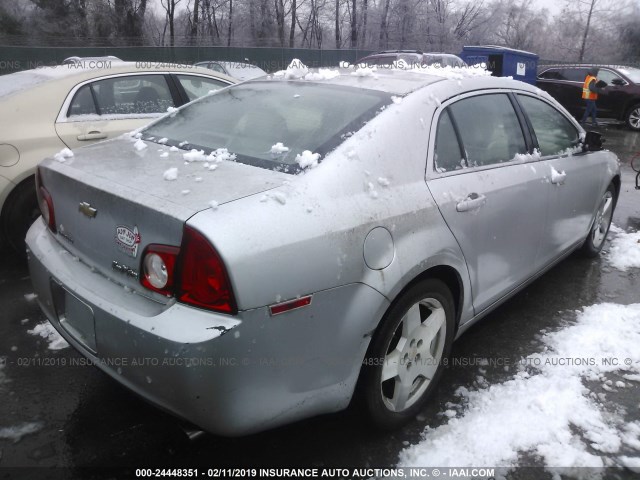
(203, 280)
(158, 268)
(45, 202)
(194, 273)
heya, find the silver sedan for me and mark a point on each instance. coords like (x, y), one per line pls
(283, 246)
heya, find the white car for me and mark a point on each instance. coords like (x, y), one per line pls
(68, 106)
(239, 70)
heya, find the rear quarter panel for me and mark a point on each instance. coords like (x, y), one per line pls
(309, 235)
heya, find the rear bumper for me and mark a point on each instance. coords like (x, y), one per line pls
(229, 375)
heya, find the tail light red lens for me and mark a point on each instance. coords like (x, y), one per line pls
(158, 268)
(45, 202)
(203, 277)
(195, 273)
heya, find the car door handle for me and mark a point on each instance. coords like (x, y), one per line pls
(473, 202)
(95, 135)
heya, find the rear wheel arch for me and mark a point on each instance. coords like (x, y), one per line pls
(442, 290)
(618, 185)
(450, 277)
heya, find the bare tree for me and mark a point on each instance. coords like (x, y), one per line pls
(384, 26)
(169, 7)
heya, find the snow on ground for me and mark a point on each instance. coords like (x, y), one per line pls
(17, 432)
(46, 331)
(554, 408)
(624, 252)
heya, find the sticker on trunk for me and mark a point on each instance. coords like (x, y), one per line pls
(128, 240)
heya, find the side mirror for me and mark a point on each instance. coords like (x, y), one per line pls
(617, 81)
(592, 142)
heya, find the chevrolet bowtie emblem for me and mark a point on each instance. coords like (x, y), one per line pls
(87, 209)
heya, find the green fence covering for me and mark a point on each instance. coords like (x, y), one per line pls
(13, 59)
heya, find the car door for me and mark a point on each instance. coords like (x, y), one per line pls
(612, 99)
(107, 107)
(572, 179)
(570, 91)
(488, 191)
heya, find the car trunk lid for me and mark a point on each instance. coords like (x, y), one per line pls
(111, 200)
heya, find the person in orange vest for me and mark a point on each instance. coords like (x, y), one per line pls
(590, 90)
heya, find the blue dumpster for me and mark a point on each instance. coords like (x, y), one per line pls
(503, 61)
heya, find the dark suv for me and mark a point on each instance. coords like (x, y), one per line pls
(620, 99)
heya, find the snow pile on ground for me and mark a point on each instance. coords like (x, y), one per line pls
(63, 154)
(307, 159)
(547, 410)
(625, 249)
(50, 334)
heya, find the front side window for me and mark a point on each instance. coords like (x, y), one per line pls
(196, 87)
(251, 119)
(608, 76)
(128, 95)
(489, 129)
(555, 133)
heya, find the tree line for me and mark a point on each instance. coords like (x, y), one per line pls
(584, 30)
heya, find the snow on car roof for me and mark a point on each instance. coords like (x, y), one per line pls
(400, 79)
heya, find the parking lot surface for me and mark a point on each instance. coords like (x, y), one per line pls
(57, 411)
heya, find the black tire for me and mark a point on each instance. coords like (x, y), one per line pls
(600, 228)
(432, 299)
(19, 212)
(633, 117)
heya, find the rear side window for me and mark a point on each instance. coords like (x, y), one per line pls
(555, 133)
(128, 95)
(216, 67)
(82, 103)
(448, 156)
(574, 74)
(489, 129)
(552, 74)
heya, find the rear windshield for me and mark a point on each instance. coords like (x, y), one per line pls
(268, 124)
